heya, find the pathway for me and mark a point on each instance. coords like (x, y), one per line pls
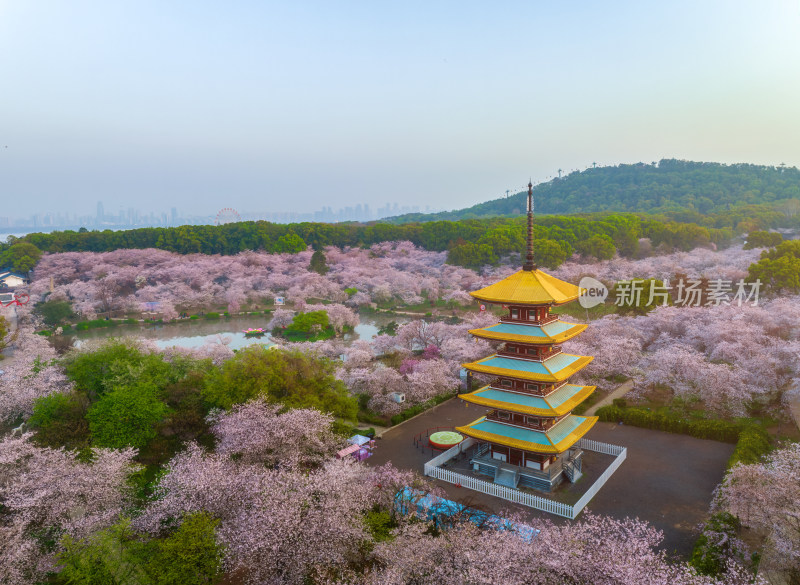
(8, 353)
(618, 392)
(667, 479)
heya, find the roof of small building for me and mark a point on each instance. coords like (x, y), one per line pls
(529, 287)
(555, 332)
(557, 403)
(563, 435)
(554, 369)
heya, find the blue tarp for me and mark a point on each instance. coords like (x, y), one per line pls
(438, 510)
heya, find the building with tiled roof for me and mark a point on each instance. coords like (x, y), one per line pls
(529, 436)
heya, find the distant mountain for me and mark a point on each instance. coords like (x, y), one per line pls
(667, 186)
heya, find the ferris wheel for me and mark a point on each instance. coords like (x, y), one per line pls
(227, 215)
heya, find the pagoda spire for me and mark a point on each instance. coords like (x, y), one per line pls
(529, 263)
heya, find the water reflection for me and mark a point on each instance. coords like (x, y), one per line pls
(199, 332)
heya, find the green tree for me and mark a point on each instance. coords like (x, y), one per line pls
(779, 268)
(4, 329)
(634, 296)
(599, 246)
(126, 417)
(762, 239)
(550, 253)
(307, 322)
(54, 313)
(117, 555)
(471, 255)
(318, 263)
(21, 257)
(779, 274)
(104, 558)
(189, 556)
(289, 243)
(120, 363)
(59, 420)
(293, 378)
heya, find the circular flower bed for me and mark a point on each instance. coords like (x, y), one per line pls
(445, 439)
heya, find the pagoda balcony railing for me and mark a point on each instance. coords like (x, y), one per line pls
(531, 358)
(539, 322)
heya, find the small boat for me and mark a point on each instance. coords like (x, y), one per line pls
(257, 332)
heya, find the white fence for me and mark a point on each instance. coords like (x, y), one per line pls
(451, 452)
(432, 469)
(599, 447)
(586, 498)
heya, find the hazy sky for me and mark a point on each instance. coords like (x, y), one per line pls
(290, 106)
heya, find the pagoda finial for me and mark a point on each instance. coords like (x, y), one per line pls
(529, 263)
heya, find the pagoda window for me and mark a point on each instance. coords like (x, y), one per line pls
(529, 386)
(500, 453)
(503, 414)
(507, 383)
(515, 313)
(532, 420)
(533, 351)
(511, 349)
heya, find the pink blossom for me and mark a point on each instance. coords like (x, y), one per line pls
(298, 438)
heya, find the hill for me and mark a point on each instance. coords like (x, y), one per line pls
(670, 187)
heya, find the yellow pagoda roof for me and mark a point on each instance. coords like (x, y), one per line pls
(529, 287)
(557, 403)
(560, 437)
(555, 332)
(554, 369)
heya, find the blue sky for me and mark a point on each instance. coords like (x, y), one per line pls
(291, 106)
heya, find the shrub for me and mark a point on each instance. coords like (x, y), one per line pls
(54, 313)
(212, 315)
(710, 555)
(752, 440)
(753, 443)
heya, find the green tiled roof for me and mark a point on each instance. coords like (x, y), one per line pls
(558, 439)
(509, 432)
(516, 365)
(554, 404)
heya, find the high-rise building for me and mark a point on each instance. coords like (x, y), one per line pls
(101, 214)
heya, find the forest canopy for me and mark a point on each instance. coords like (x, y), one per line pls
(668, 186)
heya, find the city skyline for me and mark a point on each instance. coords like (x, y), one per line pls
(133, 218)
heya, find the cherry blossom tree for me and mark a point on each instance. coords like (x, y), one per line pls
(277, 526)
(766, 498)
(339, 316)
(44, 489)
(593, 551)
(281, 318)
(31, 375)
(255, 431)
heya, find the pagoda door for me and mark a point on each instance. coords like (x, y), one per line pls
(515, 457)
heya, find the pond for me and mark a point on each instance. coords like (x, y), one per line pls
(197, 333)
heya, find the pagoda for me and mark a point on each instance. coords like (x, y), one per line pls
(528, 438)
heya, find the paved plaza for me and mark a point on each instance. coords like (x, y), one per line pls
(666, 480)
